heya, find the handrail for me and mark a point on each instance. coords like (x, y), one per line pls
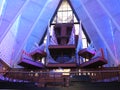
(37, 76)
(85, 71)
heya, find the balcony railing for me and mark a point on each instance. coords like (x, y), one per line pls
(43, 77)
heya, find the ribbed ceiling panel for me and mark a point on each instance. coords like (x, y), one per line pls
(33, 24)
(86, 19)
(42, 24)
(12, 10)
(32, 9)
(113, 10)
(96, 23)
(101, 21)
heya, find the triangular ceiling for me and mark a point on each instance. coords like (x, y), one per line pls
(64, 13)
(34, 16)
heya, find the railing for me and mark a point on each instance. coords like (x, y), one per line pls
(42, 77)
(102, 76)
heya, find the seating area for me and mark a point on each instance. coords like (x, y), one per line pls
(37, 54)
(41, 78)
(51, 86)
(3, 66)
(30, 60)
(95, 60)
(29, 63)
(44, 79)
(56, 79)
(86, 53)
